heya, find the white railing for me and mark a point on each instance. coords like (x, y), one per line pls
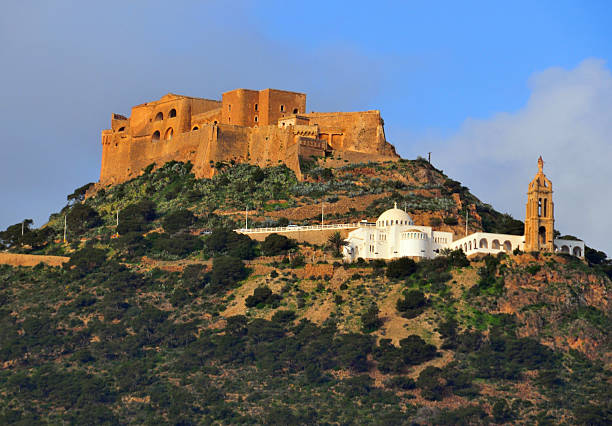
(296, 228)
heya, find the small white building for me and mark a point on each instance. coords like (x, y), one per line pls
(395, 235)
(487, 243)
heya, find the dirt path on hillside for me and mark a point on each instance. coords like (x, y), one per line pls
(14, 259)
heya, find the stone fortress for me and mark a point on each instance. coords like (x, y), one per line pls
(265, 127)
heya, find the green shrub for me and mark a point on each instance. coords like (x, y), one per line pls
(176, 245)
(78, 196)
(412, 305)
(451, 220)
(80, 218)
(226, 272)
(416, 351)
(400, 268)
(136, 216)
(227, 242)
(276, 244)
(402, 383)
(430, 383)
(178, 220)
(435, 221)
(132, 244)
(262, 296)
(370, 320)
(86, 260)
(283, 317)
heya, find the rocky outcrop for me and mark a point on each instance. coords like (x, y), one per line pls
(561, 302)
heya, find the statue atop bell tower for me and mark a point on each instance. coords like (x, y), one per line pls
(539, 218)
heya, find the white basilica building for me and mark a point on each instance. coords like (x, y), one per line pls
(395, 235)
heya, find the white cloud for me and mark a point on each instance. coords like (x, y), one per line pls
(567, 120)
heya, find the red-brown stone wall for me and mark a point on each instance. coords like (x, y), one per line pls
(353, 131)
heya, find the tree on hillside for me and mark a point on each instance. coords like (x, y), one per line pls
(400, 268)
(226, 271)
(134, 217)
(86, 260)
(82, 217)
(336, 242)
(79, 194)
(13, 235)
(370, 320)
(593, 256)
(178, 220)
(226, 241)
(276, 244)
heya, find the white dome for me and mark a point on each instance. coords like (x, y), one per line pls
(394, 216)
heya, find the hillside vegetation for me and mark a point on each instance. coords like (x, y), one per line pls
(172, 318)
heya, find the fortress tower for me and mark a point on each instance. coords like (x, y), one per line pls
(539, 218)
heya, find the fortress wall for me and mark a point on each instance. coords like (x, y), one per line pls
(125, 160)
(292, 159)
(118, 123)
(199, 106)
(207, 139)
(115, 158)
(268, 144)
(143, 120)
(206, 117)
(309, 147)
(362, 131)
(232, 143)
(272, 145)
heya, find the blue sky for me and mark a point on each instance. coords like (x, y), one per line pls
(447, 76)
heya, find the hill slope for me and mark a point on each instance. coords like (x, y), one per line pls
(164, 325)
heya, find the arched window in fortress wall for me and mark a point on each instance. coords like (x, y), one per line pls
(172, 113)
(169, 134)
(156, 136)
(195, 128)
(159, 116)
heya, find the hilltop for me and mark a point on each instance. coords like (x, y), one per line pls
(181, 320)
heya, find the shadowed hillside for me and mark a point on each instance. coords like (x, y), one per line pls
(177, 319)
